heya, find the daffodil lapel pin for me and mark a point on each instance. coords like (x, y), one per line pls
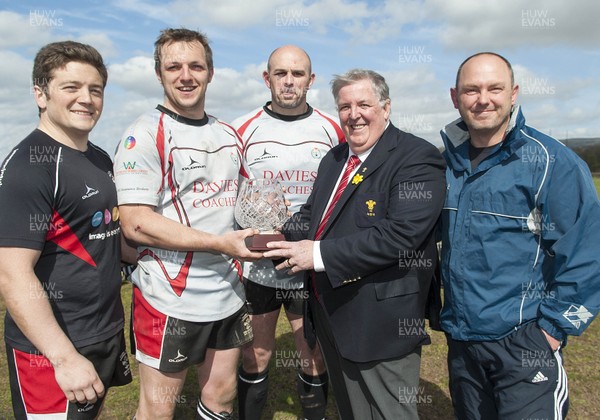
(357, 179)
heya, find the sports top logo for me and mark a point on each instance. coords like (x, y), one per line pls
(89, 192)
(193, 165)
(266, 155)
(129, 143)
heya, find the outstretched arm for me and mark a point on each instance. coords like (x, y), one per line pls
(142, 225)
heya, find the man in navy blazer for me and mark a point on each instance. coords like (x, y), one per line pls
(370, 267)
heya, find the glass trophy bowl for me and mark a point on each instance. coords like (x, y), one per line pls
(261, 205)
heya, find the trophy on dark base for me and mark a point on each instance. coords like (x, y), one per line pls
(260, 205)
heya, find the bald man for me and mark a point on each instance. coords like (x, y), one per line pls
(284, 140)
(521, 232)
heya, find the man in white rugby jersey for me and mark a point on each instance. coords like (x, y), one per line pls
(176, 171)
(284, 140)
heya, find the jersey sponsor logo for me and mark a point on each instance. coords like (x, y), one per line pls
(105, 216)
(90, 192)
(131, 168)
(299, 189)
(193, 165)
(129, 143)
(224, 185)
(102, 236)
(97, 219)
(215, 190)
(291, 175)
(214, 202)
(316, 153)
(266, 155)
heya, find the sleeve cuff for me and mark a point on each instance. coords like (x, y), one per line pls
(318, 264)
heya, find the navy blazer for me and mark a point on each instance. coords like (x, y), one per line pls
(378, 247)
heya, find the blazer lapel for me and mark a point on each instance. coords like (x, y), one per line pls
(376, 158)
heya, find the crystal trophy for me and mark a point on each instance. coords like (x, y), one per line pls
(261, 205)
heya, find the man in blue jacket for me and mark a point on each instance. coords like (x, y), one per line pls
(520, 261)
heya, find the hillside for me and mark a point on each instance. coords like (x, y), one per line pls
(581, 142)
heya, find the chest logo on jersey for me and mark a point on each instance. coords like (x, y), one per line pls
(266, 155)
(89, 192)
(316, 153)
(193, 165)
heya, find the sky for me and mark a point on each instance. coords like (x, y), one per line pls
(417, 45)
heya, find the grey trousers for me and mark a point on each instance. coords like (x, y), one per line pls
(378, 390)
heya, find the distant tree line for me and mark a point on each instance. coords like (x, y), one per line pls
(591, 156)
(589, 153)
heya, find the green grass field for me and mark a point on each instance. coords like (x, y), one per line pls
(580, 355)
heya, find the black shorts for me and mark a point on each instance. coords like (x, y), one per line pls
(172, 345)
(34, 389)
(263, 299)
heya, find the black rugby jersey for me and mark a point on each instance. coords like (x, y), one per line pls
(63, 202)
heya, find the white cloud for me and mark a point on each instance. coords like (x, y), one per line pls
(18, 110)
(135, 75)
(233, 93)
(495, 24)
(101, 42)
(558, 50)
(420, 102)
(225, 13)
(151, 10)
(18, 30)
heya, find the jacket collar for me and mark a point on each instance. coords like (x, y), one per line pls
(456, 139)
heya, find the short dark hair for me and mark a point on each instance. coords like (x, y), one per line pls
(378, 83)
(58, 54)
(171, 35)
(512, 74)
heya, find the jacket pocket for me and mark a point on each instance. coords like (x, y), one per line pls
(406, 285)
(370, 207)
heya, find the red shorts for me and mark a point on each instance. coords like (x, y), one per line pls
(35, 393)
(172, 345)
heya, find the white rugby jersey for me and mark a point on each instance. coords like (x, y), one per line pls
(289, 149)
(188, 169)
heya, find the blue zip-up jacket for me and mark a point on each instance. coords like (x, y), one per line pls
(520, 237)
